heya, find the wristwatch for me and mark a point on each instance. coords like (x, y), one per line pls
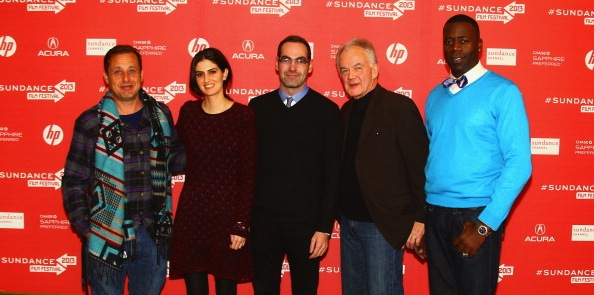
(483, 230)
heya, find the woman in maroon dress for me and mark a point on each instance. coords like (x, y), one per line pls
(212, 219)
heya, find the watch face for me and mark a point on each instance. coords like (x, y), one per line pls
(483, 230)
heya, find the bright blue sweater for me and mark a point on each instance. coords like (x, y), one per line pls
(479, 150)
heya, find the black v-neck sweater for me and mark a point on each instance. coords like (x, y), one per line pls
(298, 160)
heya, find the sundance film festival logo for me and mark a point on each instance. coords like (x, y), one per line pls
(577, 276)
(50, 265)
(55, 93)
(540, 235)
(164, 6)
(42, 92)
(387, 9)
(488, 12)
(588, 15)
(276, 7)
(586, 104)
(52, 44)
(248, 47)
(48, 5)
(36, 179)
(165, 94)
(51, 181)
(545, 146)
(8, 46)
(582, 191)
(501, 56)
(397, 53)
(196, 45)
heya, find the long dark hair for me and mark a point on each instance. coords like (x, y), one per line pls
(217, 57)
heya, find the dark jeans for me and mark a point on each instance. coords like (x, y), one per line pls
(369, 264)
(146, 274)
(449, 272)
(270, 242)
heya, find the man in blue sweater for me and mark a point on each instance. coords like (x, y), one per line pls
(479, 161)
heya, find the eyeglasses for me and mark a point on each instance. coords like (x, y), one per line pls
(287, 60)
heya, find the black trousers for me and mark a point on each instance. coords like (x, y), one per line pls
(270, 242)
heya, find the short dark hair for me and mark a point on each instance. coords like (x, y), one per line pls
(217, 57)
(463, 18)
(294, 39)
(120, 49)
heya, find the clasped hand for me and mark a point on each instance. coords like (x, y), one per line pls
(469, 241)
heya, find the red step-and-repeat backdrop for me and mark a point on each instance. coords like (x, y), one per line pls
(51, 54)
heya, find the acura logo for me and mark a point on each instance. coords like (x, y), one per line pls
(247, 45)
(53, 43)
(540, 229)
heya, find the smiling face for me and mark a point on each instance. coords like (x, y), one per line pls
(461, 47)
(293, 74)
(357, 71)
(210, 78)
(124, 77)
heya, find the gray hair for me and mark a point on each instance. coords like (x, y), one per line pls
(361, 43)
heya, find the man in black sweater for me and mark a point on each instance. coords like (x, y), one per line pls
(299, 138)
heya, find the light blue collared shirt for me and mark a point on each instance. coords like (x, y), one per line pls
(296, 98)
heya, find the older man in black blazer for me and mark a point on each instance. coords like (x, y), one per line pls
(382, 194)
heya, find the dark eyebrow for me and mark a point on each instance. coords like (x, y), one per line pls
(283, 56)
(215, 68)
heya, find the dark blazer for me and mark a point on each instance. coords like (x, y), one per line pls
(390, 162)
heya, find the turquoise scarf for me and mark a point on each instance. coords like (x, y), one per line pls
(109, 223)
